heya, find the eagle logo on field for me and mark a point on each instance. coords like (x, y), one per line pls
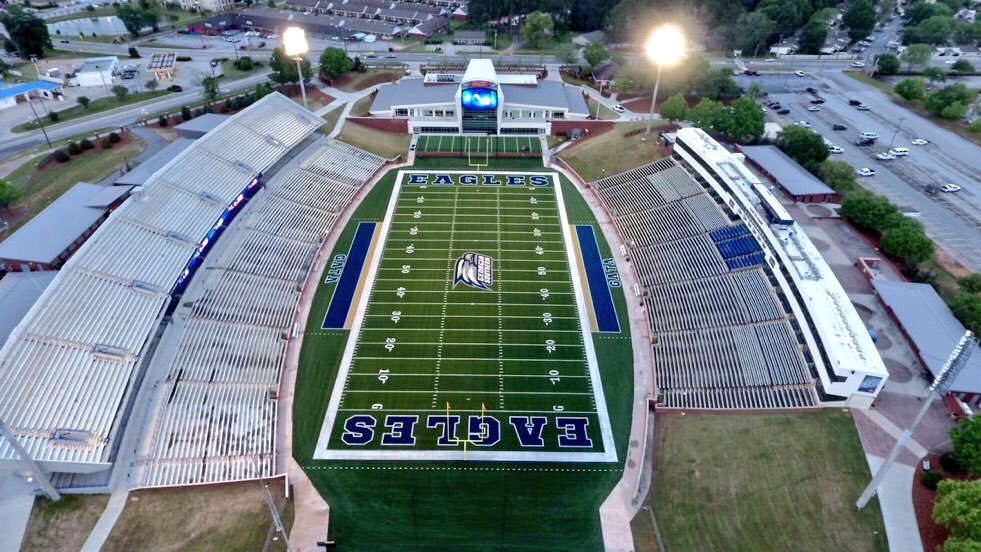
(475, 270)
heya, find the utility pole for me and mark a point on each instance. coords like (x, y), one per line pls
(896, 132)
(29, 467)
(38, 119)
(941, 384)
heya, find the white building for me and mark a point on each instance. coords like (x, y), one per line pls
(480, 101)
(209, 5)
(97, 71)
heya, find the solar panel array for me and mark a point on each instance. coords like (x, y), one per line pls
(71, 363)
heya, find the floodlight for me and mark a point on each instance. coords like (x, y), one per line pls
(295, 42)
(666, 45)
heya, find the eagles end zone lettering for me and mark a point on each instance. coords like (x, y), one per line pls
(468, 179)
(482, 431)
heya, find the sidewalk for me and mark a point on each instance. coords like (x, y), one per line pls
(16, 503)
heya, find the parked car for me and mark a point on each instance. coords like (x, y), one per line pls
(619, 108)
(783, 111)
(839, 127)
(950, 188)
(799, 73)
(858, 64)
(813, 108)
(836, 149)
(932, 190)
(804, 124)
(865, 171)
(811, 90)
(919, 142)
(863, 107)
(391, 56)
(175, 88)
(770, 60)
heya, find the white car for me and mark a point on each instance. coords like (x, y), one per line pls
(919, 142)
(273, 36)
(885, 156)
(951, 61)
(619, 108)
(865, 171)
(770, 60)
(813, 108)
(804, 124)
(899, 152)
(950, 188)
(836, 149)
(858, 64)
(799, 73)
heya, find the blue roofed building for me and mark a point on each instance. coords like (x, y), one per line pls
(10, 95)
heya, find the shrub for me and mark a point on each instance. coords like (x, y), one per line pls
(114, 137)
(186, 113)
(105, 143)
(74, 148)
(199, 112)
(162, 121)
(950, 464)
(53, 115)
(930, 479)
(85, 144)
(975, 126)
(60, 156)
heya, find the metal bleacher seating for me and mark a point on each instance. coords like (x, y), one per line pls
(215, 409)
(722, 339)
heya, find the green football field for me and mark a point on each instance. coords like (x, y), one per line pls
(454, 143)
(444, 367)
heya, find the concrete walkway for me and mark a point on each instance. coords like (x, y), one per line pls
(100, 533)
(16, 503)
(625, 499)
(897, 506)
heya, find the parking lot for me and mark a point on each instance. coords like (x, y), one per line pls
(952, 219)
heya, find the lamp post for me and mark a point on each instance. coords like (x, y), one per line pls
(896, 132)
(666, 46)
(295, 43)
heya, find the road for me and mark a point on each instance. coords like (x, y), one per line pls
(953, 220)
(119, 117)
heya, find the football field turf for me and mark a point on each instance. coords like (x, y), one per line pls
(479, 144)
(470, 340)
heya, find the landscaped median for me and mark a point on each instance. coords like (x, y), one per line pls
(93, 107)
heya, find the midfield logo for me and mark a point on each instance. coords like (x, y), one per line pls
(475, 270)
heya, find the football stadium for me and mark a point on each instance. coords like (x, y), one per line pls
(461, 348)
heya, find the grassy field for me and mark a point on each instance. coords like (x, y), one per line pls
(212, 517)
(40, 188)
(96, 106)
(331, 117)
(605, 113)
(614, 151)
(379, 142)
(362, 106)
(750, 482)
(62, 525)
(424, 505)
(479, 145)
(352, 82)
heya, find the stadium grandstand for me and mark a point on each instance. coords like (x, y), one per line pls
(731, 328)
(71, 369)
(214, 409)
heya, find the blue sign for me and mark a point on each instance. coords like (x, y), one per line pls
(479, 99)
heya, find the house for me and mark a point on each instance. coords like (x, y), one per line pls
(97, 71)
(604, 73)
(429, 28)
(460, 13)
(469, 37)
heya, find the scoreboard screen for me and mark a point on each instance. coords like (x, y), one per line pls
(479, 99)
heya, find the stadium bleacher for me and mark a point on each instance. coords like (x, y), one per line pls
(215, 408)
(70, 368)
(722, 339)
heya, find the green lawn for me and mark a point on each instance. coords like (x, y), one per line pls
(456, 505)
(353, 81)
(782, 481)
(386, 144)
(96, 106)
(233, 73)
(62, 525)
(479, 145)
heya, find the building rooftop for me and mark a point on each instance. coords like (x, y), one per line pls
(931, 327)
(55, 228)
(18, 292)
(413, 92)
(470, 35)
(26, 87)
(92, 65)
(550, 94)
(793, 178)
(201, 125)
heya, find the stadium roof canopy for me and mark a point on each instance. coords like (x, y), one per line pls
(18, 292)
(142, 172)
(67, 372)
(789, 175)
(931, 327)
(46, 236)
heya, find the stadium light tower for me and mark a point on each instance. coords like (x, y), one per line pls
(666, 46)
(295, 42)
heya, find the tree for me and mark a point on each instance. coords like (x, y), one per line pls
(907, 241)
(917, 12)
(635, 76)
(965, 438)
(887, 64)
(707, 115)
(244, 63)
(967, 308)
(839, 175)
(937, 102)
(957, 509)
(84, 101)
(971, 283)
(133, 53)
(334, 62)
(538, 27)
(211, 88)
(934, 74)
(567, 53)
(812, 36)
(120, 92)
(284, 68)
(744, 121)
(916, 55)
(674, 109)
(28, 33)
(718, 85)
(595, 53)
(962, 66)
(911, 89)
(750, 32)
(859, 19)
(270, 3)
(152, 84)
(803, 145)
(869, 211)
(934, 30)
(9, 194)
(134, 18)
(755, 91)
